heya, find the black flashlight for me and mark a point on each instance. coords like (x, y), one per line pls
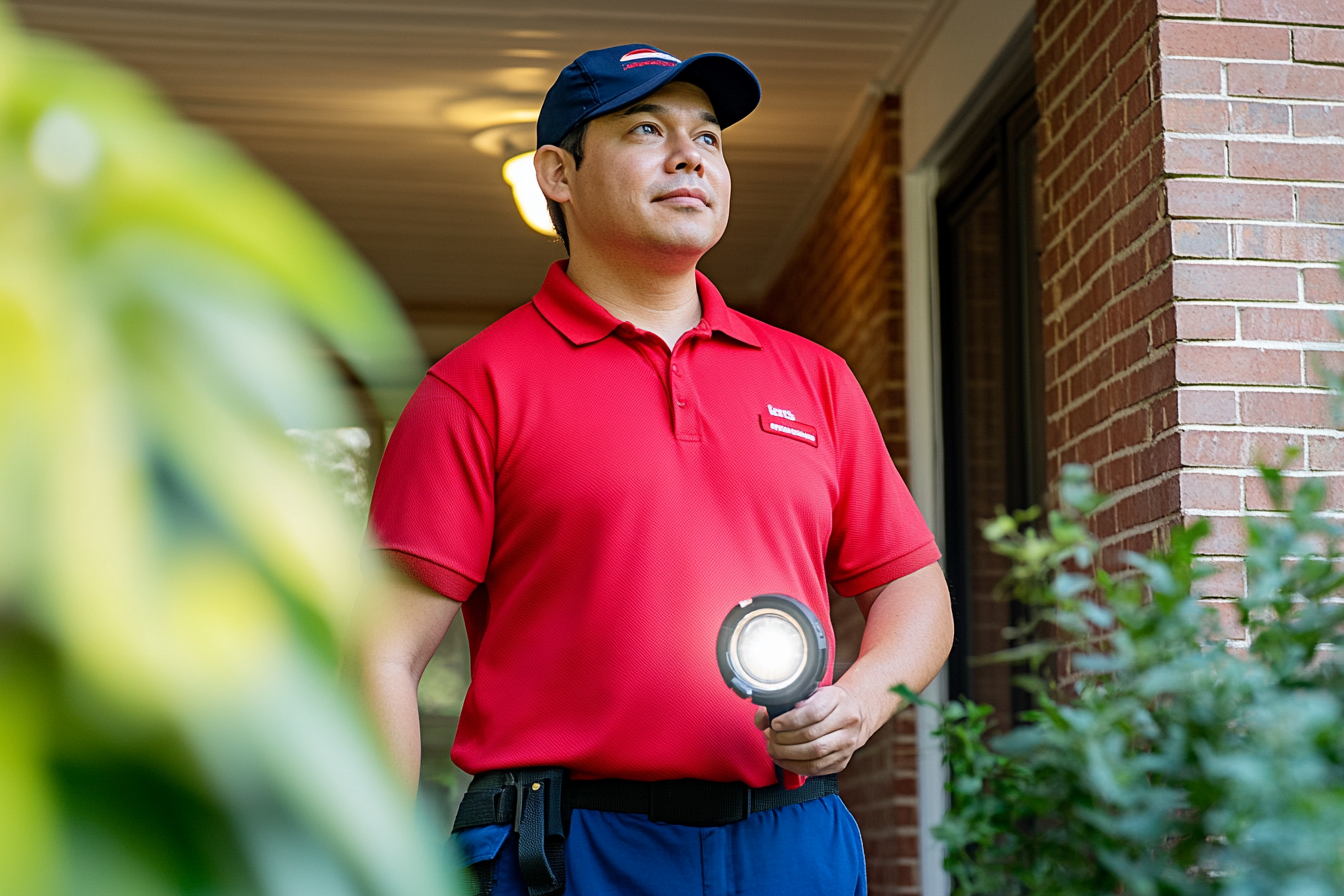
(772, 650)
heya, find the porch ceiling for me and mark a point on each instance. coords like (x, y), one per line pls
(366, 108)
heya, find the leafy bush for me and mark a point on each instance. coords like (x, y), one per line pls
(172, 580)
(1171, 763)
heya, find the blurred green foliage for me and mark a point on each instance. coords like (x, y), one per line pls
(1173, 763)
(173, 581)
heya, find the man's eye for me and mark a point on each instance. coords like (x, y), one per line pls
(709, 139)
(645, 129)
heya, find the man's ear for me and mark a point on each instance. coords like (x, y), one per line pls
(551, 163)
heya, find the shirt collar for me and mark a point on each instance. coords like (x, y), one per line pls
(583, 321)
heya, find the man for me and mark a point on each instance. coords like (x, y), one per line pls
(595, 481)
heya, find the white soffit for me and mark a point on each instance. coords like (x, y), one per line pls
(955, 60)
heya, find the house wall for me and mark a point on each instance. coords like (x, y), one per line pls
(1106, 261)
(1192, 153)
(843, 288)
(1251, 94)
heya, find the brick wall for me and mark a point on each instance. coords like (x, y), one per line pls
(1105, 268)
(1192, 154)
(844, 289)
(1253, 104)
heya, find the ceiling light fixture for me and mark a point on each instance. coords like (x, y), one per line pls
(522, 177)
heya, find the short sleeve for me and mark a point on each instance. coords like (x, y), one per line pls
(433, 507)
(877, 533)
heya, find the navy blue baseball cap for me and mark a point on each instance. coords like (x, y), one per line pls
(602, 81)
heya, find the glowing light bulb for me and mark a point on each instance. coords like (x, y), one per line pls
(520, 175)
(770, 649)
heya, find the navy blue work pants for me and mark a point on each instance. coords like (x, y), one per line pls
(808, 848)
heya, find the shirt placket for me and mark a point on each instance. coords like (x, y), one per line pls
(685, 402)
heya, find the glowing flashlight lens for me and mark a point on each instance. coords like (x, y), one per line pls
(770, 649)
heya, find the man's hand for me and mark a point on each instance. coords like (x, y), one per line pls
(819, 735)
(906, 639)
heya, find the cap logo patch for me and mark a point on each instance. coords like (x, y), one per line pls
(646, 56)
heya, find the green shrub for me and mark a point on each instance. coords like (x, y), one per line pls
(1170, 763)
(172, 579)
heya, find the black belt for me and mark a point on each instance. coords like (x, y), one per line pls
(537, 802)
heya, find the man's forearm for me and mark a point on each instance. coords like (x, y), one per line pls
(390, 693)
(398, 626)
(906, 640)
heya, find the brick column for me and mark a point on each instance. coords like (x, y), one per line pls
(844, 288)
(1191, 159)
(1255, 154)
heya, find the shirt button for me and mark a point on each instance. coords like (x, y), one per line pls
(674, 368)
(681, 402)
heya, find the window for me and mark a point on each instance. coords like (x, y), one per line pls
(992, 369)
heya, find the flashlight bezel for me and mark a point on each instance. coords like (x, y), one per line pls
(816, 650)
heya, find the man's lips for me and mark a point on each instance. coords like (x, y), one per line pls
(687, 196)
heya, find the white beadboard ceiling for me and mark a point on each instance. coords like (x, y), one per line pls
(367, 108)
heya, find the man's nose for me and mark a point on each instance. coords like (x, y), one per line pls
(685, 157)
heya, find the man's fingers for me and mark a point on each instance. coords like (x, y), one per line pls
(822, 765)
(762, 718)
(841, 716)
(808, 712)
(813, 750)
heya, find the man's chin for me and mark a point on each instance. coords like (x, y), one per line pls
(683, 236)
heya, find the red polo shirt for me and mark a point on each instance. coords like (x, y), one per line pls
(601, 502)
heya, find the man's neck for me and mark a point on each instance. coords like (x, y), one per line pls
(665, 302)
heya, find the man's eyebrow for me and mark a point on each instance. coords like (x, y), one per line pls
(656, 109)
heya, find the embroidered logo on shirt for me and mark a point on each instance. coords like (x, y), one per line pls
(791, 429)
(780, 412)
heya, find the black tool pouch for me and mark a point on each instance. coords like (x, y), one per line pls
(532, 800)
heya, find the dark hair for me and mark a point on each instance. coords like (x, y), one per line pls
(571, 143)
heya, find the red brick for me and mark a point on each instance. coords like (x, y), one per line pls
(1271, 242)
(1227, 581)
(1191, 76)
(1309, 410)
(1236, 448)
(1287, 161)
(1227, 535)
(1210, 491)
(1318, 45)
(1184, 116)
(1297, 12)
(1326, 452)
(1323, 285)
(1192, 280)
(1187, 7)
(1288, 325)
(1257, 494)
(1296, 81)
(1321, 204)
(1207, 406)
(1192, 156)
(1258, 118)
(1318, 121)
(1222, 41)
(1201, 239)
(1206, 363)
(1324, 366)
(1190, 197)
(1205, 321)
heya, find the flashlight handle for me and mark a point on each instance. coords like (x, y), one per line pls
(790, 780)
